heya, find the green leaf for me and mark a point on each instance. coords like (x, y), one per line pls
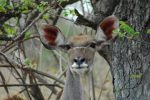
(148, 31)
(61, 1)
(27, 34)
(126, 30)
(11, 31)
(27, 62)
(46, 16)
(72, 11)
(65, 13)
(44, 3)
(2, 9)
(9, 7)
(3, 3)
(40, 8)
(25, 11)
(135, 76)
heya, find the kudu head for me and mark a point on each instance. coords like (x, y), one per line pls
(81, 48)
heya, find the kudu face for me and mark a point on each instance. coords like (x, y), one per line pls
(81, 48)
(81, 54)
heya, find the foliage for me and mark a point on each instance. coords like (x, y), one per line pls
(10, 31)
(61, 1)
(68, 12)
(41, 6)
(21, 7)
(4, 6)
(125, 30)
(148, 31)
(28, 63)
(27, 34)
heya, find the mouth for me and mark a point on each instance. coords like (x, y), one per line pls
(79, 67)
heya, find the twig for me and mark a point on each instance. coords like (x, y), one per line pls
(4, 82)
(36, 36)
(29, 85)
(35, 91)
(83, 21)
(36, 71)
(42, 80)
(6, 58)
(4, 65)
(29, 26)
(103, 84)
(21, 35)
(82, 7)
(47, 75)
(5, 38)
(56, 82)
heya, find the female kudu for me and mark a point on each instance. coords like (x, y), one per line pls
(81, 51)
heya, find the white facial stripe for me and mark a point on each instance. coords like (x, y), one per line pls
(84, 64)
(75, 65)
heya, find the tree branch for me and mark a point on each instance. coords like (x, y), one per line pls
(29, 85)
(5, 38)
(83, 21)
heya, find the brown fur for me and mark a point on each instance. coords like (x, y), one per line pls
(78, 84)
(87, 53)
(93, 1)
(14, 97)
(80, 39)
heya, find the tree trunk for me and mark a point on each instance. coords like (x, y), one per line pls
(130, 59)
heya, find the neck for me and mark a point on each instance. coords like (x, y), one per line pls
(86, 86)
(78, 87)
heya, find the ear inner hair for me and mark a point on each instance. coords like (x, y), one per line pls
(108, 25)
(50, 34)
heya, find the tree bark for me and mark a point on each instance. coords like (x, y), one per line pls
(130, 59)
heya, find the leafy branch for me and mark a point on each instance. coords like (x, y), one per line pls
(125, 30)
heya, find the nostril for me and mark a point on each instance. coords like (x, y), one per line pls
(75, 60)
(82, 60)
(79, 61)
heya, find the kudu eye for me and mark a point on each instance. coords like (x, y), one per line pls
(92, 45)
(66, 47)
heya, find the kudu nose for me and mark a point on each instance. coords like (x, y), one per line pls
(79, 60)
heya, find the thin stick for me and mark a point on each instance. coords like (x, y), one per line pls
(93, 88)
(29, 85)
(26, 29)
(6, 58)
(103, 83)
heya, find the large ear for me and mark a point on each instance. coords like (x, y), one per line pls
(106, 27)
(51, 37)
